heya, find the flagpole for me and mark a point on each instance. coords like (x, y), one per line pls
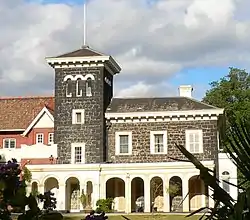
(84, 23)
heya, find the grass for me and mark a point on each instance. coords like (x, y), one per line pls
(142, 217)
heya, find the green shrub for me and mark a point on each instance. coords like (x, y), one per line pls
(104, 205)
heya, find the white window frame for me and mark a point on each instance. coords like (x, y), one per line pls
(74, 118)
(37, 134)
(117, 142)
(73, 147)
(199, 132)
(50, 142)
(77, 89)
(68, 94)
(86, 85)
(9, 139)
(152, 142)
(225, 177)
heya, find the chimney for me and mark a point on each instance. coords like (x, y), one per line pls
(185, 91)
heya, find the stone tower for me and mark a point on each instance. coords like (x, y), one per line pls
(83, 90)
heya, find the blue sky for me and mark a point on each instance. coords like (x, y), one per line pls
(160, 47)
(199, 76)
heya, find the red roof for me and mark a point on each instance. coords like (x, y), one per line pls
(19, 112)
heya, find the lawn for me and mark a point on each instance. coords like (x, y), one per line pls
(143, 217)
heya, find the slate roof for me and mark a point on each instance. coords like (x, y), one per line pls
(156, 104)
(19, 112)
(83, 52)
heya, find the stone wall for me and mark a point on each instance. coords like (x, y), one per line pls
(175, 134)
(92, 132)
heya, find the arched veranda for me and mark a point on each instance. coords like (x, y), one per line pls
(175, 194)
(197, 193)
(72, 195)
(137, 195)
(115, 189)
(156, 194)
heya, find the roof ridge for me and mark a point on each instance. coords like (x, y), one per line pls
(86, 47)
(63, 53)
(150, 97)
(203, 103)
(95, 51)
(24, 97)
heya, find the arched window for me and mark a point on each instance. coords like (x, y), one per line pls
(78, 88)
(225, 180)
(89, 87)
(68, 88)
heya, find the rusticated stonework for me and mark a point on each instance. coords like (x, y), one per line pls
(175, 134)
(93, 132)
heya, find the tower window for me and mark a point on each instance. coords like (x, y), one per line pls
(68, 88)
(78, 116)
(78, 88)
(88, 87)
(77, 153)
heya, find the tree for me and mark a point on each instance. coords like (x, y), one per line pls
(232, 93)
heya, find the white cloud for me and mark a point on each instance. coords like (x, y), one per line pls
(142, 89)
(152, 43)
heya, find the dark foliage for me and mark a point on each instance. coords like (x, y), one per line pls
(13, 195)
(49, 202)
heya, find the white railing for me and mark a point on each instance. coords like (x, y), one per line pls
(29, 151)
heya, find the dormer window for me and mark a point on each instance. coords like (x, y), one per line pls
(78, 88)
(89, 87)
(68, 88)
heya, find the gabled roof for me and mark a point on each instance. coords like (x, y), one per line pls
(83, 52)
(37, 118)
(156, 104)
(19, 112)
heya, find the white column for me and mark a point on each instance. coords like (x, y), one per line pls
(41, 188)
(203, 195)
(147, 190)
(210, 199)
(61, 198)
(185, 190)
(166, 195)
(128, 194)
(95, 195)
(102, 188)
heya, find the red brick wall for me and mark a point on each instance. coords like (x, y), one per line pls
(30, 139)
(45, 131)
(37, 161)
